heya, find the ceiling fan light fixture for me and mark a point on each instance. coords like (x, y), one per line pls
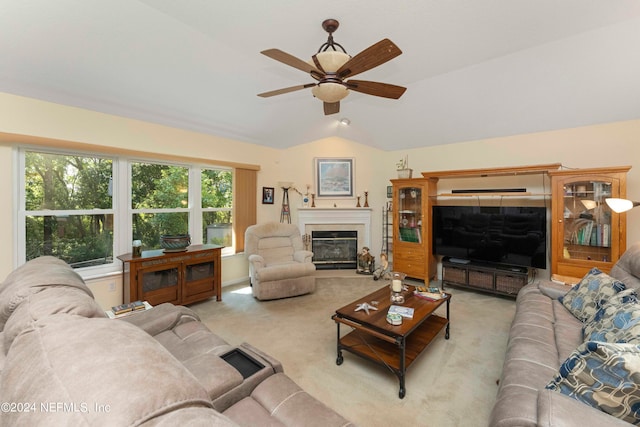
(331, 60)
(330, 92)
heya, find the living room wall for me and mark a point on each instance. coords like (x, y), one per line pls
(611, 144)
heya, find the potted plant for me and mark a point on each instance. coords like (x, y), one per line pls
(403, 168)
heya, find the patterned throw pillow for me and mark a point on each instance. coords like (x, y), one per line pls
(605, 376)
(617, 321)
(586, 298)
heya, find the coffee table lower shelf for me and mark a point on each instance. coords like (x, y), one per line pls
(396, 353)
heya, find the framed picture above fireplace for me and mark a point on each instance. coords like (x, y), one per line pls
(334, 177)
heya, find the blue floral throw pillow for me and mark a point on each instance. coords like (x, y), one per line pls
(588, 296)
(605, 376)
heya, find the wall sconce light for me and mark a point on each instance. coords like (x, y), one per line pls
(621, 205)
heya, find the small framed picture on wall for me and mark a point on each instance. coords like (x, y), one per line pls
(267, 195)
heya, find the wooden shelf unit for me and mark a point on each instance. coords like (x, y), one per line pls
(177, 277)
(578, 204)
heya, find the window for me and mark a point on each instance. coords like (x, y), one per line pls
(84, 208)
(217, 203)
(68, 208)
(159, 202)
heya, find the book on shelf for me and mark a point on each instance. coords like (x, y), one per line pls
(402, 311)
(409, 234)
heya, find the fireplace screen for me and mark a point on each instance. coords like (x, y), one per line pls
(334, 249)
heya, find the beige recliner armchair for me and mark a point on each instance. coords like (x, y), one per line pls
(279, 267)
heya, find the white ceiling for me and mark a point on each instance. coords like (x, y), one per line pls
(473, 68)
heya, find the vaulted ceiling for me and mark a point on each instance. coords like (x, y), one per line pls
(473, 69)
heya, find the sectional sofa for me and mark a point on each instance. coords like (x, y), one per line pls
(573, 355)
(64, 362)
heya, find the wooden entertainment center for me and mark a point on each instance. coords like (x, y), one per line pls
(577, 208)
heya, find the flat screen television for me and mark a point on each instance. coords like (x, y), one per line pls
(504, 235)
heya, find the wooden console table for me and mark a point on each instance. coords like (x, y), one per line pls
(177, 277)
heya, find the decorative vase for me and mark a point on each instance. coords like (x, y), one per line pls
(175, 242)
(405, 173)
(397, 287)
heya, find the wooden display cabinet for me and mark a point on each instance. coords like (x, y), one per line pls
(411, 221)
(177, 277)
(585, 233)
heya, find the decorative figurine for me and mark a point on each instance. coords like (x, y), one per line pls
(366, 199)
(366, 262)
(365, 306)
(358, 204)
(306, 239)
(383, 271)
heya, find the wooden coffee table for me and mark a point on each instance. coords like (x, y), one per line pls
(395, 347)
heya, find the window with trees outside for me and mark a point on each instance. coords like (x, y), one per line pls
(74, 209)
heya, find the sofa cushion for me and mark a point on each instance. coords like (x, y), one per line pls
(89, 364)
(284, 271)
(605, 376)
(51, 300)
(617, 321)
(278, 401)
(586, 298)
(31, 277)
(191, 339)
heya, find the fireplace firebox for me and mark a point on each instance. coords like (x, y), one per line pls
(334, 250)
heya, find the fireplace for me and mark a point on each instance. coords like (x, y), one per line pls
(356, 221)
(334, 249)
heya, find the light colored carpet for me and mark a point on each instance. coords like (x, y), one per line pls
(453, 383)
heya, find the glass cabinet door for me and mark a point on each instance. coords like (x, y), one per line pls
(409, 220)
(159, 283)
(587, 220)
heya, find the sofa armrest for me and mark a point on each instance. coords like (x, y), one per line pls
(161, 318)
(275, 364)
(552, 289)
(556, 409)
(256, 261)
(302, 256)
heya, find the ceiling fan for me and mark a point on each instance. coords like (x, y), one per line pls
(331, 66)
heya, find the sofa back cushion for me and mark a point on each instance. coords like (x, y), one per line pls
(48, 301)
(627, 269)
(31, 277)
(104, 372)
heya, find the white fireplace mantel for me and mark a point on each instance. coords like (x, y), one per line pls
(361, 217)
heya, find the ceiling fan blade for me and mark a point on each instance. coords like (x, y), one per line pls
(331, 108)
(384, 90)
(377, 54)
(285, 90)
(290, 60)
